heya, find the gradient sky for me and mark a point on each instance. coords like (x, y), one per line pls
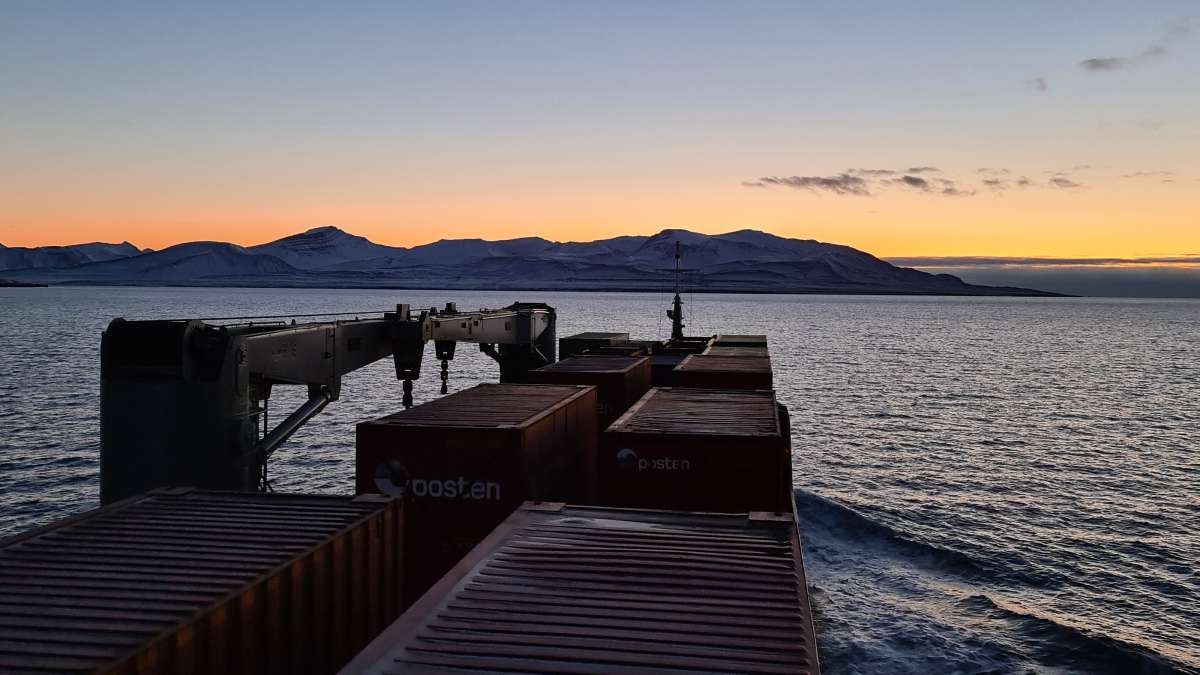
(162, 122)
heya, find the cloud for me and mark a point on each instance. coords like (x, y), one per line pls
(841, 184)
(1175, 30)
(952, 191)
(1037, 83)
(872, 172)
(1150, 174)
(1106, 63)
(914, 182)
(871, 181)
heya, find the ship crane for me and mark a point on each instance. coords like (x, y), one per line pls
(184, 402)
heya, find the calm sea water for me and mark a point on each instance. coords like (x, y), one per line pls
(986, 485)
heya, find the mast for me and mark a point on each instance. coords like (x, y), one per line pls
(676, 311)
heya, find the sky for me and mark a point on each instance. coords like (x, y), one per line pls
(1066, 129)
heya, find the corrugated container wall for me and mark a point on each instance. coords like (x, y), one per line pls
(724, 372)
(564, 589)
(696, 450)
(185, 581)
(620, 380)
(465, 461)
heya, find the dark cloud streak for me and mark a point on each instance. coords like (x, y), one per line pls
(841, 184)
(1175, 30)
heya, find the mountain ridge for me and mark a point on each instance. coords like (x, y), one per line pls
(739, 261)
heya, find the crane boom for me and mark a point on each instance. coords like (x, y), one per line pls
(185, 401)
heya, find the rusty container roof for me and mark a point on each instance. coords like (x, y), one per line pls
(705, 412)
(725, 364)
(721, 350)
(92, 590)
(595, 363)
(488, 406)
(567, 589)
(740, 340)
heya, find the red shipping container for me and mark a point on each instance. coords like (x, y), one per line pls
(576, 589)
(188, 581)
(620, 380)
(465, 461)
(724, 372)
(697, 450)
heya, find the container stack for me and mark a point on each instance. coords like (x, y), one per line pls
(185, 581)
(697, 450)
(724, 372)
(567, 589)
(619, 380)
(465, 461)
(583, 342)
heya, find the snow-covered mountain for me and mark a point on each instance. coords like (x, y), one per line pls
(323, 247)
(198, 261)
(17, 258)
(746, 260)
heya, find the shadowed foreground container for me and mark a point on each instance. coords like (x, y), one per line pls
(178, 581)
(463, 462)
(566, 589)
(620, 380)
(697, 450)
(662, 367)
(724, 372)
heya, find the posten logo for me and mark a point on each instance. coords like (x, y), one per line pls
(628, 460)
(393, 478)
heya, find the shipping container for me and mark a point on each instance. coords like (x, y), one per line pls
(662, 367)
(626, 348)
(691, 345)
(724, 372)
(465, 461)
(620, 380)
(568, 589)
(740, 341)
(697, 450)
(186, 581)
(569, 346)
(718, 350)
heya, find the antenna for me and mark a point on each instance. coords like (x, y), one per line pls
(676, 311)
